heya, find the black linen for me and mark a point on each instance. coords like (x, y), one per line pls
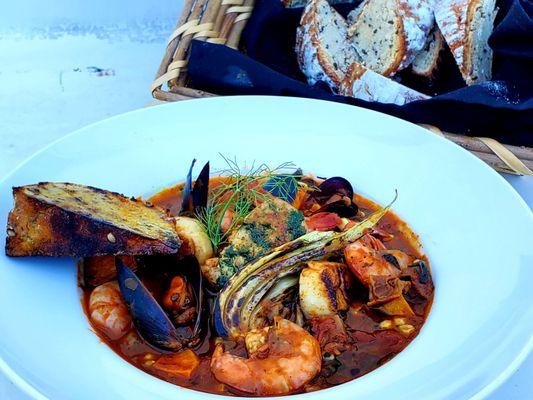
(502, 108)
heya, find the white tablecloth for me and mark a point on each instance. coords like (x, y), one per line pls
(50, 86)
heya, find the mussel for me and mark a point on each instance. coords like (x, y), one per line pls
(334, 195)
(242, 294)
(332, 186)
(195, 196)
(153, 324)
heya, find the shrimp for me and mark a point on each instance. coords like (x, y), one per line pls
(365, 259)
(108, 312)
(282, 359)
(379, 269)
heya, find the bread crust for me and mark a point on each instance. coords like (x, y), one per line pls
(413, 19)
(455, 18)
(467, 67)
(394, 65)
(355, 73)
(311, 55)
(365, 84)
(400, 55)
(429, 71)
(37, 227)
(416, 19)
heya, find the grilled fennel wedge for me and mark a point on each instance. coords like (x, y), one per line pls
(243, 293)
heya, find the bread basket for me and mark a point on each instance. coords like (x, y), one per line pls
(222, 22)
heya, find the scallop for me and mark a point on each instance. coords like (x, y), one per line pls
(322, 289)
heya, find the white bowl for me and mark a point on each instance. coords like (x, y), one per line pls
(476, 230)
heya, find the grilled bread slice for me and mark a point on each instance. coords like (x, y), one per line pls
(425, 63)
(388, 34)
(323, 50)
(66, 219)
(466, 26)
(368, 85)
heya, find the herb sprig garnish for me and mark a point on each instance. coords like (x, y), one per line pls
(241, 190)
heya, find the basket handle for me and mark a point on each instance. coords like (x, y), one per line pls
(498, 156)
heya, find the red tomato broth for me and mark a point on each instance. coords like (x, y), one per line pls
(373, 346)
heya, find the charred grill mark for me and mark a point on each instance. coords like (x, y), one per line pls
(235, 319)
(330, 286)
(391, 259)
(423, 273)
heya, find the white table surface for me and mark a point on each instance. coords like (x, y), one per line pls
(49, 88)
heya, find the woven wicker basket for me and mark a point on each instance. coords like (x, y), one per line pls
(215, 21)
(222, 22)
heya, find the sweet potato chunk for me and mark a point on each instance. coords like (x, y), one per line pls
(65, 219)
(181, 364)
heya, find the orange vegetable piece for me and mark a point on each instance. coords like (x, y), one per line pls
(322, 221)
(397, 306)
(181, 364)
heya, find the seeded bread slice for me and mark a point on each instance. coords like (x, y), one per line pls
(466, 26)
(368, 85)
(326, 55)
(323, 51)
(425, 63)
(388, 34)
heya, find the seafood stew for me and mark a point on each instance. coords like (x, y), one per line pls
(323, 321)
(274, 282)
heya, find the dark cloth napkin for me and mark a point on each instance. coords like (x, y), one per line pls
(502, 108)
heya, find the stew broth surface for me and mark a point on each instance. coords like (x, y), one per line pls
(374, 344)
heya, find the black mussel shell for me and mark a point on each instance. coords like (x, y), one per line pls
(149, 318)
(201, 188)
(195, 196)
(341, 208)
(186, 200)
(190, 269)
(333, 186)
(336, 186)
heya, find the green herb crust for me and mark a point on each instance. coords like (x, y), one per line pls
(269, 225)
(296, 229)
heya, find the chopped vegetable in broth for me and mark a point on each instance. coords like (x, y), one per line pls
(275, 289)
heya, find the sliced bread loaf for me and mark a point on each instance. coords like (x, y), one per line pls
(388, 34)
(302, 3)
(368, 85)
(426, 61)
(325, 54)
(323, 51)
(466, 26)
